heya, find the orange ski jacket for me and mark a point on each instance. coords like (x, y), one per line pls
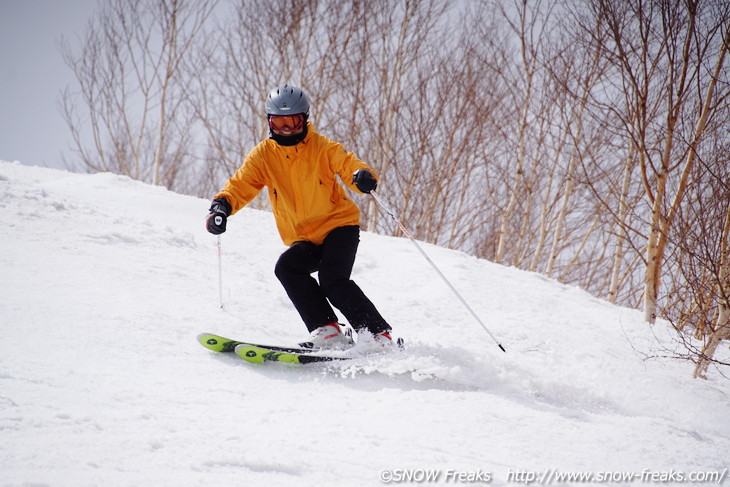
(307, 200)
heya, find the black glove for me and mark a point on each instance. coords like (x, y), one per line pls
(219, 211)
(364, 180)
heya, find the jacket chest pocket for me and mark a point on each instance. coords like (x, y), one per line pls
(331, 189)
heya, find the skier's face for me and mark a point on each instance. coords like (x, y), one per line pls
(287, 124)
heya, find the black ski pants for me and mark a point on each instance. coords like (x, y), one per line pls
(333, 260)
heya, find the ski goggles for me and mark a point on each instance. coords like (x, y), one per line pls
(286, 123)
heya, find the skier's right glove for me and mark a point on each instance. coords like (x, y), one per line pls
(219, 211)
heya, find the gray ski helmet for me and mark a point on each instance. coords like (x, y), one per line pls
(287, 100)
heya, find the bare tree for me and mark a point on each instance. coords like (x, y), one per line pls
(579, 140)
(659, 51)
(721, 329)
(389, 57)
(528, 29)
(581, 73)
(697, 302)
(130, 85)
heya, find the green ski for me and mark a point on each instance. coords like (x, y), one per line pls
(220, 344)
(259, 354)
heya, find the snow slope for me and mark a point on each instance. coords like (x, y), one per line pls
(106, 282)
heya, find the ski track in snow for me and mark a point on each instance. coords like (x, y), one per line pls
(107, 282)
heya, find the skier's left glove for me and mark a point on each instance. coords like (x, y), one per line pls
(219, 211)
(364, 180)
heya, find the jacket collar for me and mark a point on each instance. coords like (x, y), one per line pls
(292, 140)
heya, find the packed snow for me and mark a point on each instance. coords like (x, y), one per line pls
(107, 281)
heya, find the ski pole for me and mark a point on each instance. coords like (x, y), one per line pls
(220, 275)
(453, 289)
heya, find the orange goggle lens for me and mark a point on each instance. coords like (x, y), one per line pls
(286, 122)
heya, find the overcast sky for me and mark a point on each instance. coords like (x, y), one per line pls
(32, 75)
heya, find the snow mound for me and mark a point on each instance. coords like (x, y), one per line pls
(107, 281)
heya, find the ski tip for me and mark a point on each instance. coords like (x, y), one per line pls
(217, 343)
(502, 348)
(209, 341)
(203, 338)
(251, 354)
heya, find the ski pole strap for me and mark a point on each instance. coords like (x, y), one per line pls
(438, 271)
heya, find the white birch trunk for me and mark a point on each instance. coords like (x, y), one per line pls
(621, 234)
(722, 326)
(661, 225)
(169, 71)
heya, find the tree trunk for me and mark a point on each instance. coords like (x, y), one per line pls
(621, 233)
(661, 225)
(169, 71)
(722, 326)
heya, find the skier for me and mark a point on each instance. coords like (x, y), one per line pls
(314, 216)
